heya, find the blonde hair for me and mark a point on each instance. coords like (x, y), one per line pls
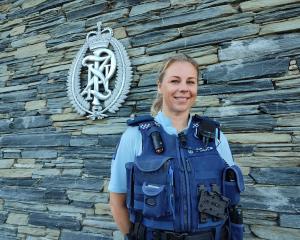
(158, 101)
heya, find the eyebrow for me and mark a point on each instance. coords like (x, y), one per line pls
(179, 77)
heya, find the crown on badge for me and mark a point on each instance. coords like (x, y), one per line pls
(99, 39)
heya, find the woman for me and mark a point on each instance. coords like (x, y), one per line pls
(174, 186)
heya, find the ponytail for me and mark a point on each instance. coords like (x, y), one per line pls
(157, 104)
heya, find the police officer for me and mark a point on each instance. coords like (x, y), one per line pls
(173, 176)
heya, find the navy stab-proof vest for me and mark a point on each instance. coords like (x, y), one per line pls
(164, 190)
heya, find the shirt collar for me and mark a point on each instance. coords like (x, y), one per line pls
(166, 123)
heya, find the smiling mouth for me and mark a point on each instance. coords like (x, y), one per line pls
(182, 98)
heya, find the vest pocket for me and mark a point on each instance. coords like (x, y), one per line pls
(154, 200)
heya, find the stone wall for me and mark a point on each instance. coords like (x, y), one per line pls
(55, 165)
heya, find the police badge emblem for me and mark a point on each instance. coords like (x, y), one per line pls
(100, 75)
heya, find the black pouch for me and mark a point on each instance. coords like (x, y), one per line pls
(130, 186)
(234, 186)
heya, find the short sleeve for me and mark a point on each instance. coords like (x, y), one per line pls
(224, 150)
(128, 148)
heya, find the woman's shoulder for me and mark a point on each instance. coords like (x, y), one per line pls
(131, 132)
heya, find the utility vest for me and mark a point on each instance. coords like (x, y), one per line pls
(179, 183)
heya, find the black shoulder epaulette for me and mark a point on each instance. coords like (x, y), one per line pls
(207, 123)
(139, 119)
(199, 119)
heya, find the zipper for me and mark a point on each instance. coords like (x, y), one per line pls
(187, 207)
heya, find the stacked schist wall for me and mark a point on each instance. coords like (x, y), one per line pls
(54, 166)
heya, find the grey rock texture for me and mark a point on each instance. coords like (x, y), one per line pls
(55, 164)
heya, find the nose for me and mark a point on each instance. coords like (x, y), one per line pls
(183, 87)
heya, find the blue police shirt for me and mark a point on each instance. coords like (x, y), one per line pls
(130, 146)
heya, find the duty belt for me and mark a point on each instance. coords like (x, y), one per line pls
(165, 235)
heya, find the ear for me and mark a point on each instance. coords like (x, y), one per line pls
(158, 87)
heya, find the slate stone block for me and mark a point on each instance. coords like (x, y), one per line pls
(274, 232)
(217, 24)
(22, 182)
(39, 8)
(67, 28)
(68, 235)
(226, 111)
(280, 108)
(83, 141)
(103, 171)
(28, 79)
(206, 38)
(47, 88)
(39, 153)
(3, 216)
(58, 102)
(35, 140)
(21, 96)
(6, 125)
(54, 221)
(241, 149)
(143, 8)
(175, 21)
(259, 47)
(236, 87)
(247, 123)
(22, 194)
(7, 237)
(154, 37)
(48, 5)
(31, 122)
(276, 176)
(55, 196)
(273, 198)
(289, 220)
(231, 72)
(109, 140)
(90, 152)
(82, 204)
(109, 16)
(84, 12)
(8, 230)
(279, 13)
(72, 183)
(11, 154)
(266, 96)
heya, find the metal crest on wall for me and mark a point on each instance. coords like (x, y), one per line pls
(100, 75)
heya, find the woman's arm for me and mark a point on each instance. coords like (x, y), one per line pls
(120, 211)
(128, 148)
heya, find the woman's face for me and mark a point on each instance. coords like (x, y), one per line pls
(179, 88)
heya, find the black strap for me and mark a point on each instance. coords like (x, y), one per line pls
(138, 231)
(165, 235)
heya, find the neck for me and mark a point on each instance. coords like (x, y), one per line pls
(179, 121)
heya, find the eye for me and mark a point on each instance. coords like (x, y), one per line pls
(191, 82)
(174, 81)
